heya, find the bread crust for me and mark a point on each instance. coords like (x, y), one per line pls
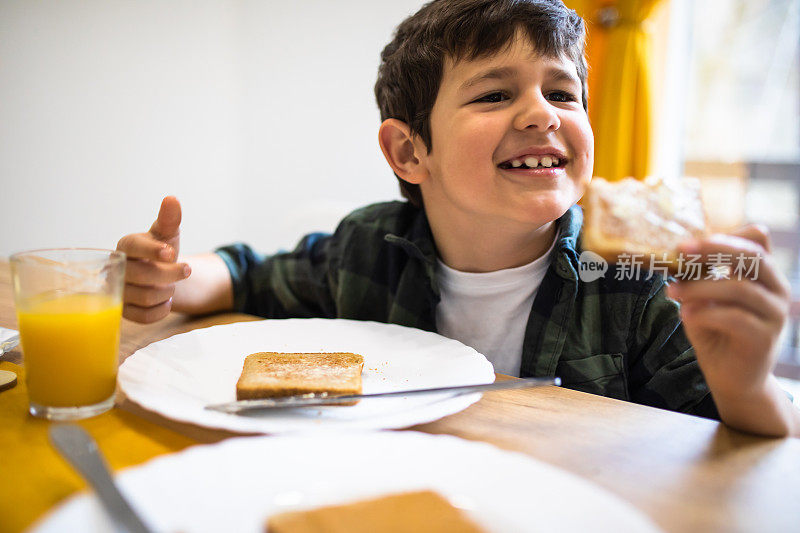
(276, 374)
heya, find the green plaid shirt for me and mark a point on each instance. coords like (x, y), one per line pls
(620, 338)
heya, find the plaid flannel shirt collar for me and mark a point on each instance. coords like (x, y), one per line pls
(418, 243)
(565, 258)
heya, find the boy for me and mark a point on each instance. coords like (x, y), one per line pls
(484, 105)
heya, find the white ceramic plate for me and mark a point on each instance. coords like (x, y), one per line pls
(179, 376)
(9, 339)
(235, 485)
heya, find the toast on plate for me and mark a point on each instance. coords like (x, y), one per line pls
(274, 374)
(421, 512)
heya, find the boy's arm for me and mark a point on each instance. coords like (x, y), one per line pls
(734, 325)
(765, 412)
(296, 284)
(207, 290)
(300, 283)
(156, 282)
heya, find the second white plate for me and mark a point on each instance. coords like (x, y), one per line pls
(237, 484)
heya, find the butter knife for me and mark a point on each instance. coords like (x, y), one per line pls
(324, 398)
(81, 451)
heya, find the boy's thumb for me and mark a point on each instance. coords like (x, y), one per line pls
(168, 222)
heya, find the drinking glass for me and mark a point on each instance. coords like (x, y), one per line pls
(69, 306)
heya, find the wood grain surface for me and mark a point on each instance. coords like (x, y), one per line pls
(686, 473)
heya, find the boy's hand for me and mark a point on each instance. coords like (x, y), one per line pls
(152, 269)
(734, 324)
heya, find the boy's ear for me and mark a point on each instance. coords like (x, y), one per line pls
(401, 152)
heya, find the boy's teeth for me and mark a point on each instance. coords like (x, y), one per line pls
(532, 162)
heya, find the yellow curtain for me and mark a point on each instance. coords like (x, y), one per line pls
(619, 51)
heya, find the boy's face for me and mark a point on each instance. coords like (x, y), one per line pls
(494, 113)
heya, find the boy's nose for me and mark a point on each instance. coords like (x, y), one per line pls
(538, 114)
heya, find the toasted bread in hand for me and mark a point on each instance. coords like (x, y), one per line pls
(273, 374)
(647, 218)
(420, 512)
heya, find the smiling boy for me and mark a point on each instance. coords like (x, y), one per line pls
(483, 105)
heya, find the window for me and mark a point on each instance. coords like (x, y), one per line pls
(742, 123)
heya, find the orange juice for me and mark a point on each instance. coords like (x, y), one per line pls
(70, 344)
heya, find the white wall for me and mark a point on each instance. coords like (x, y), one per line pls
(258, 115)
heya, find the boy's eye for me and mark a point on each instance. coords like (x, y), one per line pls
(493, 97)
(561, 96)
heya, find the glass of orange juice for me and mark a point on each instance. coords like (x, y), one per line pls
(69, 306)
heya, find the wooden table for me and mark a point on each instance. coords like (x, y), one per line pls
(686, 473)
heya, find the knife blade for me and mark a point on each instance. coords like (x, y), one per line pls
(81, 451)
(324, 398)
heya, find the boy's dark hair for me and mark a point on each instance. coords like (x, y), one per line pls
(412, 64)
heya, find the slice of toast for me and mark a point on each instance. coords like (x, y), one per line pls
(647, 218)
(420, 512)
(273, 374)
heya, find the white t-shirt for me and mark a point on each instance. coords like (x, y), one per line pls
(489, 311)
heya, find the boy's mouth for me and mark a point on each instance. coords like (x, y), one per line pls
(531, 162)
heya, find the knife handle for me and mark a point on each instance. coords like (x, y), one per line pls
(81, 451)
